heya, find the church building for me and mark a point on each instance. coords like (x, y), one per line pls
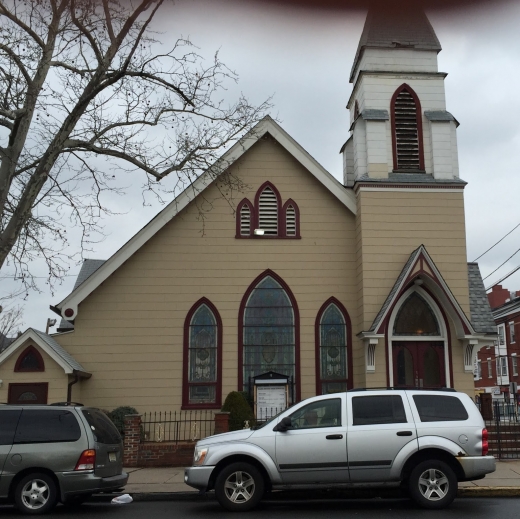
(329, 285)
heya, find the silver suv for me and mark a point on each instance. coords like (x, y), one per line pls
(425, 440)
(57, 453)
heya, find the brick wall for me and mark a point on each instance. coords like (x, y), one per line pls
(160, 454)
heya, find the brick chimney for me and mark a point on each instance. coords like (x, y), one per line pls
(498, 296)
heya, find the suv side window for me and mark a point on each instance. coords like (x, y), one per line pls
(47, 426)
(8, 421)
(324, 413)
(380, 409)
(440, 408)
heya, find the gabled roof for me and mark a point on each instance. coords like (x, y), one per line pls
(420, 265)
(391, 27)
(50, 346)
(266, 125)
(481, 315)
(509, 308)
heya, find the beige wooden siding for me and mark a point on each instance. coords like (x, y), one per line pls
(53, 375)
(129, 332)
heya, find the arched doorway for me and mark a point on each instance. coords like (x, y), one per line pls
(418, 355)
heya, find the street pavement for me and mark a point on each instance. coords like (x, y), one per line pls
(168, 483)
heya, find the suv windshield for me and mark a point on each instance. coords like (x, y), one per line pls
(103, 429)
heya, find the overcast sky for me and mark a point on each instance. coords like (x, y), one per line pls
(304, 58)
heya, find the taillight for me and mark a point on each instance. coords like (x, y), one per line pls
(485, 442)
(87, 460)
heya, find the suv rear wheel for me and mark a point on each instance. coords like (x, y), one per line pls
(433, 484)
(35, 494)
(239, 487)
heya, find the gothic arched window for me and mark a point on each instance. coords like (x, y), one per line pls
(202, 357)
(30, 360)
(407, 130)
(269, 330)
(245, 219)
(332, 354)
(415, 317)
(268, 207)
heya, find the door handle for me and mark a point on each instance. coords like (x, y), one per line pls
(404, 433)
(334, 437)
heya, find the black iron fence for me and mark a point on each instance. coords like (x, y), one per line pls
(177, 426)
(502, 418)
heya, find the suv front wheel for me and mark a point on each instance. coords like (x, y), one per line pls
(433, 484)
(239, 487)
(35, 494)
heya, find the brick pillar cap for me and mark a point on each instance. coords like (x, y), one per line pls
(223, 412)
(130, 415)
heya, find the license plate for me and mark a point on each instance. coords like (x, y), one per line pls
(111, 456)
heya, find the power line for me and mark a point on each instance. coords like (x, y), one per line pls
(504, 278)
(493, 246)
(514, 253)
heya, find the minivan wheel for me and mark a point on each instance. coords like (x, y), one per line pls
(239, 487)
(433, 484)
(35, 494)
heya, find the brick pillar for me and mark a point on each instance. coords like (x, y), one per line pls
(221, 422)
(132, 440)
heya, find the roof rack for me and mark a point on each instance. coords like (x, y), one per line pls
(67, 403)
(359, 389)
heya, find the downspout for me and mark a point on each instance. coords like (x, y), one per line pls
(70, 384)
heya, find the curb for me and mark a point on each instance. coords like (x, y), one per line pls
(288, 495)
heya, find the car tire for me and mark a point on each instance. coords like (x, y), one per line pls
(433, 484)
(35, 494)
(239, 487)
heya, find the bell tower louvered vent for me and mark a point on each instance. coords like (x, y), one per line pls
(407, 138)
(245, 220)
(268, 212)
(290, 221)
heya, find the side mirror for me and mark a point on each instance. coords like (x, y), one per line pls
(284, 424)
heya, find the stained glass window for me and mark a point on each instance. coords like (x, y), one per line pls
(415, 317)
(30, 360)
(202, 367)
(269, 331)
(333, 351)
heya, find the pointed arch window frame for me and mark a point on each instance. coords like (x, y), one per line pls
(317, 341)
(442, 319)
(255, 216)
(418, 112)
(30, 349)
(241, 315)
(186, 384)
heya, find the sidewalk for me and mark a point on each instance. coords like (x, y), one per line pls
(168, 482)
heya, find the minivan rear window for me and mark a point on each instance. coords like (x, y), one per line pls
(440, 408)
(103, 429)
(8, 421)
(47, 426)
(371, 410)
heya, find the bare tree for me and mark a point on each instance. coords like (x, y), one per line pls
(83, 82)
(10, 323)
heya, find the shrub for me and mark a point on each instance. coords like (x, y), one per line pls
(118, 417)
(239, 411)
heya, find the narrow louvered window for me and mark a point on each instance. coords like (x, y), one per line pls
(407, 138)
(290, 221)
(245, 220)
(268, 212)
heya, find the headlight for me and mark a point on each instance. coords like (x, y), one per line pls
(200, 455)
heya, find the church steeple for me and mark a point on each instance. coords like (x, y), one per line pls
(389, 28)
(399, 123)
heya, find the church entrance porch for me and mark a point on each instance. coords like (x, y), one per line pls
(419, 364)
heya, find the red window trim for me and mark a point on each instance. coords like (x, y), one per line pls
(241, 311)
(346, 316)
(29, 349)
(418, 112)
(283, 219)
(255, 216)
(185, 360)
(244, 202)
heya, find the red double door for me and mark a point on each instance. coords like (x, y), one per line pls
(419, 364)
